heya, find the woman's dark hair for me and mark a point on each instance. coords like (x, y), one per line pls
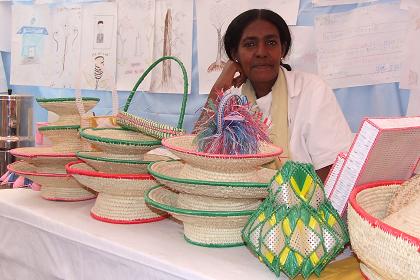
(236, 28)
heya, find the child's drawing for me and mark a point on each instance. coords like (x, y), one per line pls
(33, 42)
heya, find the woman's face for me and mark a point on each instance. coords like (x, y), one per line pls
(260, 52)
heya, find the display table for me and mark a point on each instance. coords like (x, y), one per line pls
(42, 239)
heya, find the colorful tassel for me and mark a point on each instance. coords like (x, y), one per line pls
(231, 128)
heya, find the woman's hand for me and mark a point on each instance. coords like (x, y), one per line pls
(232, 76)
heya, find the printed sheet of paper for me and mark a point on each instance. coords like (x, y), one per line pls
(338, 2)
(5, 25)
(135, 42)
(30, 45)
(3, 81)
(173, 37)
(408, 4)
(213, 17)
(65, 37)
(413, 108)
(99, 48)
(361, 47)
(302, 55)
(410, 73)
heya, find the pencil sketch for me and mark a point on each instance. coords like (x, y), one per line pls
(218, 18)
(33, 41)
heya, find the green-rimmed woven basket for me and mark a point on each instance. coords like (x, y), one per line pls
(150, 127)
(64, 138)
(169, 174)
(114, 163)
(216, 228)
(119, 140)
(66, 108)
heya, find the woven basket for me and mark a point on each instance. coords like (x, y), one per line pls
(65, 139)
(120, 141)
(120, 196)
(114, 163)
(44, 158)
(409, 191)
(169, 174)
(61, 187)
(150, 127)
(368, 273)
(183, 147)
(388, 252)
(202, 227)
(66, 109)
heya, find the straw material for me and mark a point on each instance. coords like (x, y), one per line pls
(390, 253)
(66, 109)
(194, 202)
(120, 141)
(169, 174)
(409, 191)
(183, 147)
(120, 198)
(123, 209)
(202, 227)
(369, 274)
(65, 139)
(114, 163)
(62, 187)
(44, 159)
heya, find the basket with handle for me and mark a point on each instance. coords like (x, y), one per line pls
(150, 127)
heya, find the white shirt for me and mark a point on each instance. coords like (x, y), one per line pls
(318, 130)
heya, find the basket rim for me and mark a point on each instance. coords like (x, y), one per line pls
(12, 168)
(58, 127)
(374, 222)
(19, 152)
(107, 140)
(136, 221)
(104, 159)
(165, 143)
(97, 174)
(201, 182)
(64, 99)
(191, 212)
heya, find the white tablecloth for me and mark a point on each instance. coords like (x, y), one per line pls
(42, 239)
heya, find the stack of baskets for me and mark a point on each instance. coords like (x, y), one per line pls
(385, 251)
(212, 194)
(45, 165)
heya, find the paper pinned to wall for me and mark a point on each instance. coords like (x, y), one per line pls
(173, 37)
(410, 73)
(361, 47)
(213, 17)
(5, 25)
(302, 55)
(408, 4)
(135, 42)
(30, 45)
(3, 81)
(413, 108)
(338, 2)
(98, 57)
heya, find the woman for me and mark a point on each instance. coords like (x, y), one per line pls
(306, 120)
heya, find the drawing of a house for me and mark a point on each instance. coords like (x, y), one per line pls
(32, 43)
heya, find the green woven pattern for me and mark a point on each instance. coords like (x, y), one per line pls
(65, 99)
(296, 230)
(150, 127)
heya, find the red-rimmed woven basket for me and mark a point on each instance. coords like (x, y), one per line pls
(45, 159)
(60, 187)
(120, 196)
(384, 250)
(221, 165)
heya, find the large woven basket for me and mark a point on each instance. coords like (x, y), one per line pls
(65, 139)
(150, 127)
(184, 148)
(215, 228)
(120, 141)
(66, 109)
(45, 159)
(120, 196)
(169, 174)
(114, 163)
(386, 252)
(60, 187)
